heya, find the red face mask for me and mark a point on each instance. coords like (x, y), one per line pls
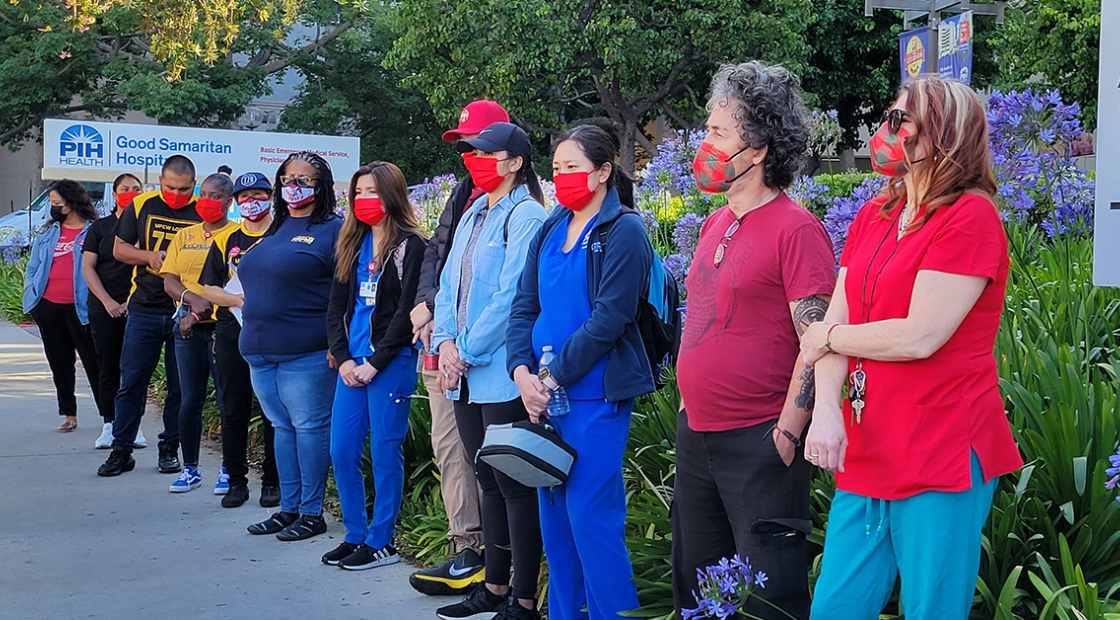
(713, 170)
(370, 209)
(484, 172)
(211, 209)
(176, 201)
(467, 159)
(888, 151)
(125, 198)
(572, 191)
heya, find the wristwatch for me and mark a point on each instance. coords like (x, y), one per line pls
(547, 379)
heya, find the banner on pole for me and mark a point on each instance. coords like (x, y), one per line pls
(914, 52)
(954, 47)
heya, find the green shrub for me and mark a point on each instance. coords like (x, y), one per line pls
(11, 290)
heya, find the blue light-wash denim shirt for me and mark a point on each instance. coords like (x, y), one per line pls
(39, 269)
(498, 262)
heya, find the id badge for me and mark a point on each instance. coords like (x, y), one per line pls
(368, 290)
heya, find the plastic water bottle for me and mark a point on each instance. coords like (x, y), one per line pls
(558, 404)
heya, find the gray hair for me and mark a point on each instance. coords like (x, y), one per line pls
(221, 182)
(767, 102)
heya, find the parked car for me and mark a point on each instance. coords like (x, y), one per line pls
(18, 228)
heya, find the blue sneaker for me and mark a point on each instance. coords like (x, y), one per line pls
(188, 480)
(222, 487)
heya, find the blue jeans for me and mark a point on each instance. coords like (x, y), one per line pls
(296, 393)
(379, 410)
(932, 540)
(583, 520)
(195, 358)
(145, 335)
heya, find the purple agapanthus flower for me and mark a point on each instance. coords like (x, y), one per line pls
(1113, 472)
(1034, 138)
(810, 194)
(843, 211)
(724, 588)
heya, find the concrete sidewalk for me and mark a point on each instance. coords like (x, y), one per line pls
(73, 545)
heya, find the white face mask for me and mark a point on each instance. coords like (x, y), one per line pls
(253, 208)
(297, 196)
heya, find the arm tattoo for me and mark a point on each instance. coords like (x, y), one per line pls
(808, 311)
(806, 396)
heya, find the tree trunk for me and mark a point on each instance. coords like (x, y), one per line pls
(627, 145)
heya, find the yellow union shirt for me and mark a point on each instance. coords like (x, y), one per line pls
(186, 255)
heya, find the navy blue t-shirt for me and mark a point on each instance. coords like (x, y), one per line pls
(287, 283)
(565, 307)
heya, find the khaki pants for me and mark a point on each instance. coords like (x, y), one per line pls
(458, 485)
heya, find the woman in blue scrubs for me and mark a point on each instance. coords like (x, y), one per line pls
(584, 278)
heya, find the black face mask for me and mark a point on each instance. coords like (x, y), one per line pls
(57, 214)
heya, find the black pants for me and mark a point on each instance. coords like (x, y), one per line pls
(236, 390)
(511, 523)
(733, 494)
(63, 334)
(108, 340)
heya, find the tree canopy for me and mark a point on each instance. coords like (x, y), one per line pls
(556, 62)
(347, 90)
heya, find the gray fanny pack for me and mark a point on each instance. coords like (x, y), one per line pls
(531, 454)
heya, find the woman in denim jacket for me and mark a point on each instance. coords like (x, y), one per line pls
(472, 312)
(54, 294)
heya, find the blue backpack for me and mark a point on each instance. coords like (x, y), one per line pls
(659, 318)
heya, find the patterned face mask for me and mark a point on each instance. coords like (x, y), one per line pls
(297, 196)
(888, 151)
(713, 170)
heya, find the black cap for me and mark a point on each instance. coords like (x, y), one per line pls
(500, 137)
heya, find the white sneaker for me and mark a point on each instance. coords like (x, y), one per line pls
(140, 441)
(105, 441)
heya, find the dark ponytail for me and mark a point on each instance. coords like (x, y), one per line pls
(601, 148)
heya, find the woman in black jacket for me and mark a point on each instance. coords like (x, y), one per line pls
(379, 255)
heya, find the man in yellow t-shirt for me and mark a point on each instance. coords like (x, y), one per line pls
(194, 317)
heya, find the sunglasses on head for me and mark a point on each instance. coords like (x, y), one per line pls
(894, 118)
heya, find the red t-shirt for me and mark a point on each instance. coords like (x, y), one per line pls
(739, 345)
(60, 282)
(923, 417)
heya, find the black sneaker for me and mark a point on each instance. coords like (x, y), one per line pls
(278, 522)
(339, 553)
(455, 576)
(303, 528)
(270, 496)
(119, 461)
(514, 611)
(365, 558)
(236, 495)
(480, 604)
(169, 460)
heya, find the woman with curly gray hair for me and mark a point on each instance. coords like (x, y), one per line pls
(763, 271)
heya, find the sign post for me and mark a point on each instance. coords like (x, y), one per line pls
(1106, 225)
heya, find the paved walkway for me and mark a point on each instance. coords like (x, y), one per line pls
(73, 545)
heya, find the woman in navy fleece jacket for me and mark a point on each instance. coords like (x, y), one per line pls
(585, 275)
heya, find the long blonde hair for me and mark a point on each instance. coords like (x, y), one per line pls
(952, 131)
(402, 218)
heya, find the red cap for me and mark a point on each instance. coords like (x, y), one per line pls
(478, 115)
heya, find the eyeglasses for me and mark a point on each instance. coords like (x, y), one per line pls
(302, 181)
(894, 119)
(721, 249)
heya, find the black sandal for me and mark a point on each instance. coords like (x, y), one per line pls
(278, 522)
